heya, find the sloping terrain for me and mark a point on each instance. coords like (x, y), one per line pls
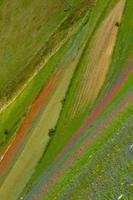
(67, 133)
(41, 68)
(25, 29)
(48, 119)
(97, 63)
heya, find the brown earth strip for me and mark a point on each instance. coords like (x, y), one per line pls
(99, 60)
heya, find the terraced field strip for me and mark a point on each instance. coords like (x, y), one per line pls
(117, 87)
(62, 131)
(121, 53)
(27, 122)
(79, 41)
(98, 14)
(77, 44)
(96, 112)
(99, 60)
(23, 168)
(99, 176)
(123, 100)
(118, 105)
(87, 143)
(25, 164)
(20, 104)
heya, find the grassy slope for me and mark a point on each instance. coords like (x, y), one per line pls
(101, 147)
(39, 137)
(95, 183)
(109, 159)
(123, 49)
(95, 61)
(20, 106)
(23, 102)
(67, 64)
(125, 36)
(26, 28)
(64, 126)
(22, 35)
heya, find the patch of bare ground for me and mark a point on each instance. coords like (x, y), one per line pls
(98, 62)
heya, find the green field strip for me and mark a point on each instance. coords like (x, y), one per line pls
(123, 49)
(67, 64)
(24, 40)
(66, 42)
(86, 159)
(67, 137)
(29, 95)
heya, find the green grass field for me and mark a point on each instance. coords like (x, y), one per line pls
(21, 106)
(25, 37)
(92, 185)
(103, 171)
(21, 22)
(65, 128)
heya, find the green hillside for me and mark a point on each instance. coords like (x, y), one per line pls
(66, 74)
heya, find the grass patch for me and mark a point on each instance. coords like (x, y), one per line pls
(66, 128)
(20, 108)
(109, 155)
(29, 31)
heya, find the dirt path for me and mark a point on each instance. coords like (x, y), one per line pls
(99, 60)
